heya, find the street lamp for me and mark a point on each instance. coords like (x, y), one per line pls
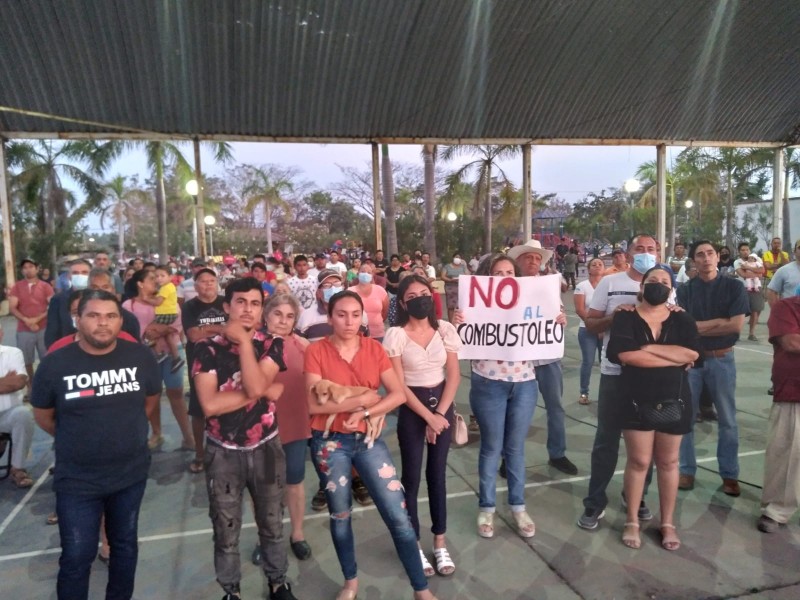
(688, 204)
(632, 186)
(451, 216)
(210, 221)
(193, 189)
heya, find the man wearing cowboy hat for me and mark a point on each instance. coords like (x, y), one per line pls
(530, 257)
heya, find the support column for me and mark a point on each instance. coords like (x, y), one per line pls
(5, 214)
(661, 200)
(199, 207)
(777, 196)
(526, 193)
(376, 197)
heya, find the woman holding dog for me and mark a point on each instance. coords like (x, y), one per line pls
(348, 359)
(424, 354)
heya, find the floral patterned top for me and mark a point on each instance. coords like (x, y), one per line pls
(505, 370)
(251, 425)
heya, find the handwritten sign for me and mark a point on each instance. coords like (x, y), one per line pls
(510, 318)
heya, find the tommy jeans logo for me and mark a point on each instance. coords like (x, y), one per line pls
(102, 383)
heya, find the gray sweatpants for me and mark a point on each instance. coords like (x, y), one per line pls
(18, 421)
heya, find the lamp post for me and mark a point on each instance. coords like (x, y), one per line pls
(688, 204)
(209, 220)
(192, 189)
(632, 186)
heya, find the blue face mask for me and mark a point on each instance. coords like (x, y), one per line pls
(365, 278)
(79, 282)
(330, 292)
(642, 263)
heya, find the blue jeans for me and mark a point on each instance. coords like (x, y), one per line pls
(589, 343)
(504, 411)
(334, 458)
(79, 528)
(605, 452)
(551, 387)
(719, 376)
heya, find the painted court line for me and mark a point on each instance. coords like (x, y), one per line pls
(314, 516)
(7, 521)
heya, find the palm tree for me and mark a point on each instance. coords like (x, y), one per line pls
(267, 185)
(488, 159)
(429, 162)
(389, 205)
(791, 168)
(121, 201)
(39, 169)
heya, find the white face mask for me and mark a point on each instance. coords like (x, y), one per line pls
(456, 261)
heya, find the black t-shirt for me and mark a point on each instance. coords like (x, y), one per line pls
(381, 264)
(195, 313)
(393, 277)
(101, 426)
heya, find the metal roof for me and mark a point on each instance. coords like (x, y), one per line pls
(510, 71)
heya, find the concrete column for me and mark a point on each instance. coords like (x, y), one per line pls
(661, 199)
(526, 193)
(199, 207)
(376, 197)
(777, 196)
(5, 214)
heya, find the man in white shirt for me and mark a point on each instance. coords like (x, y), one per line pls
(186, 289)
(426, 264)
(16, 417)
(303, 285)
(335, 264)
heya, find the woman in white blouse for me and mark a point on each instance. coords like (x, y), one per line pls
(589, 342)
(424, 353)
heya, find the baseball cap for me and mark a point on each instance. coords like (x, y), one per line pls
(326, 273)
(198, 262)
(616, 251)
(205, 270)
(28, 260)
(319, 255)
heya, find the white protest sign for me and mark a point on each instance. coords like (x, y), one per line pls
(510, 318)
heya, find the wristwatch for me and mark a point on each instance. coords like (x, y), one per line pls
(366, 414)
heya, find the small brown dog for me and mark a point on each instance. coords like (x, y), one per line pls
(328, 391)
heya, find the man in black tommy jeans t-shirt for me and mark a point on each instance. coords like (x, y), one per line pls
(233, 375)
(93, 396)
(202, 317)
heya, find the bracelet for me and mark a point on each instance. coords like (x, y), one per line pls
(440, 414)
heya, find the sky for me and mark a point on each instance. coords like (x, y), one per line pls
(568, 171)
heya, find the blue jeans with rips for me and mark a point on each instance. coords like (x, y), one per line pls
(589, 343)
(504, 411)
(334, 457)
(719, 375)
(79, 527)
(551, 386)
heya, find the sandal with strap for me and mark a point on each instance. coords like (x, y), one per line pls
(669, 542)
(486, 524)
(632, 541)
(525, 526)
(427, 567)
(444, 564)
(21, 479)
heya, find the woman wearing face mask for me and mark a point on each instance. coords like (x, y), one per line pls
(450, 275)
(424, 354)
(375, 299)
(656, 347)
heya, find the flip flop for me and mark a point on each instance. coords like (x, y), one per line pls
(196, 466)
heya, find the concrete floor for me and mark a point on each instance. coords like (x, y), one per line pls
(723, 555)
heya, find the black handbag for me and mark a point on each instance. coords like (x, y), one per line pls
(661, 414)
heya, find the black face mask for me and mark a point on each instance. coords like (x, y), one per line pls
(655, 293)
(724, 256)
(420, 307)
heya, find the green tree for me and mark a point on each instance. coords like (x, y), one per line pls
(121, 198)
(267, 185)
(791, 173)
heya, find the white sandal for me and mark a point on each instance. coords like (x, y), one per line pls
(525, 526)
(427, 567)
(444, 564)
(486, 520)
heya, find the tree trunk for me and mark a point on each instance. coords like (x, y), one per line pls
(729, 214)
(161, 217)
(429, 161)
(786, 233)
(121, 229)
(268, 217)
(487, 217)
(49, 218)
(388, 200)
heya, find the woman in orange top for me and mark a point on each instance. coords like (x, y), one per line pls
(348, 359)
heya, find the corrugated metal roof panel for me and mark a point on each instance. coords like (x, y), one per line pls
(358, 69)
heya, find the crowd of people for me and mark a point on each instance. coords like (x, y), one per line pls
(286, 355)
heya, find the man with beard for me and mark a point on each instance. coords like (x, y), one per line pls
(94, 396)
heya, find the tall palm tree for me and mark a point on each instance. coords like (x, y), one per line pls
(38, 172)
(488, 158)
(389, 205)
(266, 185)
(122, 199)
(791, 172)
(429, 162)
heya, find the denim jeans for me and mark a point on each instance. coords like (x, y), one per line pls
(589, 343)
(551, 386)
(605, 452)
(719, 376)
(263, 472)
(504, 411)
(334, 459)
(411, 436)
(79, 528)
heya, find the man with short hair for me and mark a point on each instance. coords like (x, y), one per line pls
(619, 262)
(319, 265)
(615, 292)
(94, 396)
(336, 264)
(430, 270)
(233, 375)
(786, 279)
(100, 279)
(561, 251)
(202, 318)
(103, 261)
(16, 417)
(718, 304)
(28, 301)
(677, 260)
(59, 321)
(774, 259)
(780, 496)
(303, 285)
(186, 289)
(744, 270)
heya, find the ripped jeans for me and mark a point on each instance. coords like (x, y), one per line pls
(333, 459)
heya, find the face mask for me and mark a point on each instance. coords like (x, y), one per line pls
(329, 293)
(79, 282)
(644, 262)
(173, 270)
(365, 278)
(655, 293)
(270, 267)
(724, 256)
(420, 307)
(456, 261)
